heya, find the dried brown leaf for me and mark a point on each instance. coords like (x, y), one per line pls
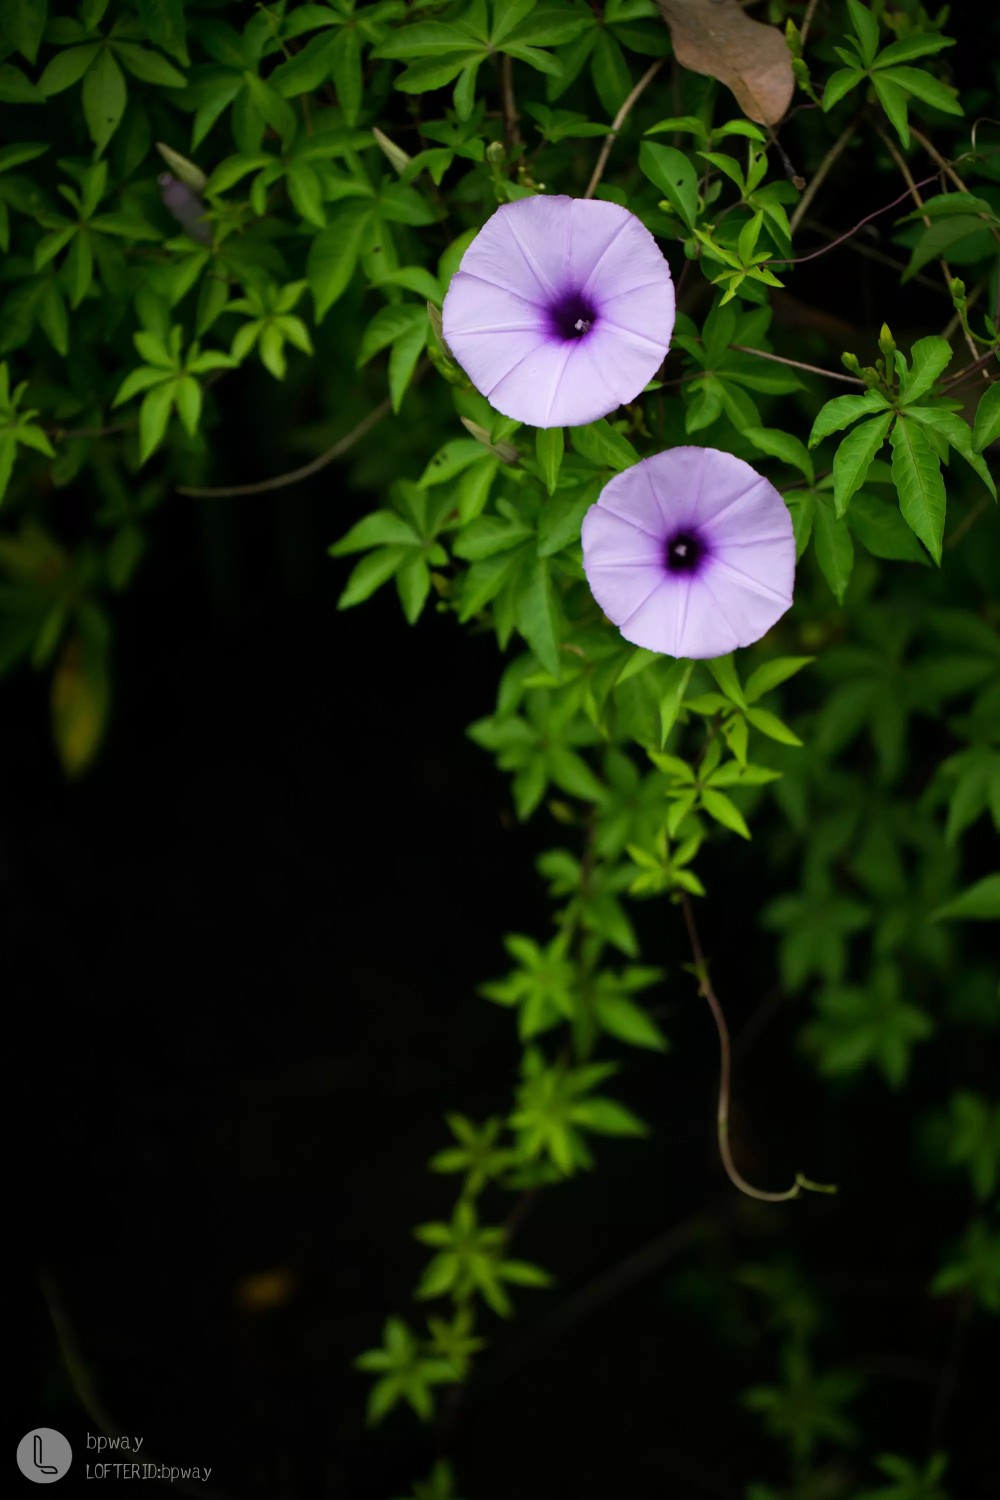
(716, 38)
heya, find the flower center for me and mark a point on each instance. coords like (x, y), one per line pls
(573, 316)
(684, 552)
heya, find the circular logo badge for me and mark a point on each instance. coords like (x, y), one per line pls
(43, 1455)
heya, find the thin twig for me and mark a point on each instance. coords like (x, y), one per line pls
(511, 134)
(722, 1117)
(914, 189)
(967, 522)
(66, 434)
(618, 122)
(295, 476)
(819, 176)
(977, 364)
(869, 252)
(824, 249)
(798, 364)
(807, 22)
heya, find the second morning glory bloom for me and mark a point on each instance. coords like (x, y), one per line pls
(690, 553)
(561, 310)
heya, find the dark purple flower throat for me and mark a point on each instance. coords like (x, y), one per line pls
(572, 316)
(684, 552)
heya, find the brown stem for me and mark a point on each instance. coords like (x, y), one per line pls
(967, 522)
(295, 476)
(807, 22)
(824, 249)
(618, 122)
(977, 364)
(798, 364)
(511, 134)
(722, 1117)
(914, 191)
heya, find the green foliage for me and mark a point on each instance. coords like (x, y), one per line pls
(909, 1481)
(328, 165)
(975, 1267)
(405, 1373)
(894, 82)
(806, 1410)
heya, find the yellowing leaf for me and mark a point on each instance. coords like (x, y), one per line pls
(80, 700)
(716, 38)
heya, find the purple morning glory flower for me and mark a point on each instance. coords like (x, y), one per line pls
(690, 553)
(561, 309)
(185, 205)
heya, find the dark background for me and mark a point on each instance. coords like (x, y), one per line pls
(245, 949)
(239, 966)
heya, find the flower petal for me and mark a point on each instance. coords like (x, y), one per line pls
(527, 262)
(612, 252)
(733, 595)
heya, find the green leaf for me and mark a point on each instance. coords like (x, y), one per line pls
(154, 414)
(981, 903)
(772, 726)
(958, 435)
(987, 428)
(165, 25)
(104, 95)
(724, 672)
(920, 83)
(671, 690)
(928, 358)
(374, 569)
(834, 549)
(765, 678)
(149, 66)
(622, 1018)
(333, 255)
(865, 29)
(916, 473)
(550, 443)
(719, 807)
(882, 531)
(67, 68)
(893, 101)
(909, 47)
(388, 325)
(606, 1117)
(24, 22)
(841, 411)
(380, 528)
(853, 459)
(346, 64)
(406, 352)
(17, 88)
(309, 69)
(675, 176)
(561, 518)
(779, 444)
(840, 83)
(538, 615)
(605, 447)
(940, 239)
